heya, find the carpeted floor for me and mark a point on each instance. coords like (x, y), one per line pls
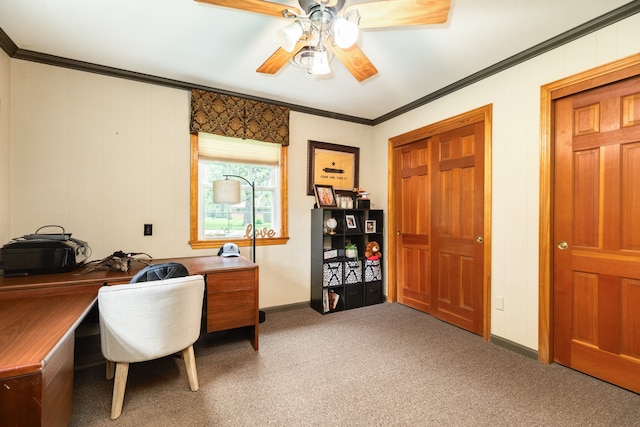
(382, 365)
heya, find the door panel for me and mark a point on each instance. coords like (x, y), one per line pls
(596, 207)
(412, 224)
(630, 196)
(458, 219)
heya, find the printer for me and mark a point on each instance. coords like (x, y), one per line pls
(43, 253)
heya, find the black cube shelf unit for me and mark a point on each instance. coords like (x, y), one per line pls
(338, 281)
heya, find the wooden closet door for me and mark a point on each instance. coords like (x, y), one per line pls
(413, 224)
(458, 224)
(596, 214)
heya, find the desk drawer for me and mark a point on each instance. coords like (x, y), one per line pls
(231, 281)
(231, 310)
(232, 300)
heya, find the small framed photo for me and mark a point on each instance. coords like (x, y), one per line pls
(350, 220)
(370, 226)
(325, 196)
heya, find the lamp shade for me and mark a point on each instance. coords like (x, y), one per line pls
(226, 191)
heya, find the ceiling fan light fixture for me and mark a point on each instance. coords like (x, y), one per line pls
(345, 32)
(290, 35)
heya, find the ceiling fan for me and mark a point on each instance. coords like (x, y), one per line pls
(325, 27)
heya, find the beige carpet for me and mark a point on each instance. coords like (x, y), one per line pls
(382, 365)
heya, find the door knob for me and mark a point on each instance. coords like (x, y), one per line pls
(562, 245)
(479, 239)
(398, 232)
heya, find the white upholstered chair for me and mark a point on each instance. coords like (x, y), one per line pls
(149, 320)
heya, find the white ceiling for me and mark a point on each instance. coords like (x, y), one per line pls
(221, 48)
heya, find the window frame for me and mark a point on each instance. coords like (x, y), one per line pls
(196, 243)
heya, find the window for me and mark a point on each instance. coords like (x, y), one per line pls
(262, 163)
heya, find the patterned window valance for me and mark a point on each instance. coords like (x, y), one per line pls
(238, 117)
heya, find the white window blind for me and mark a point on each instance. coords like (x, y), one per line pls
(226, 149)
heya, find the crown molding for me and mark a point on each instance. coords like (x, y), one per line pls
(58, 61)
(605, 20)
(7, 44)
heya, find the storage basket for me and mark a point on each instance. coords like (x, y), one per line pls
(372, 270)
(331, 274)
(352, 272)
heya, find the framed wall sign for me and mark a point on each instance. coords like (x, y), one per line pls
(334, 165)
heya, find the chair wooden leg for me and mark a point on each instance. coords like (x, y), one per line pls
(111, 369)
(119, 384)
(190, 364)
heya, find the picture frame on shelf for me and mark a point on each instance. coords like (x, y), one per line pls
(351, 222)
(370, 226)
(332, 164)
(325, 196)
(330, 253)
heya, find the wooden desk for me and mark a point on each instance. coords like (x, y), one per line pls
(36, 358)
(39, 314)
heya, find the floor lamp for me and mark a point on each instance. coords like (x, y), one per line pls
(227, 191)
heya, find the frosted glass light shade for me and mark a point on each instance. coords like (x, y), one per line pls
(290, 35)
(226, 191)
(345, 32)
(320, 62)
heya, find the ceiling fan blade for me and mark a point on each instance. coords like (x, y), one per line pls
(355, 60)
(279, 59)
(257, 6)
(398, 13)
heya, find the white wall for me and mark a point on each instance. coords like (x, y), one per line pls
(102, 156)
(5, 163)
(515, 95)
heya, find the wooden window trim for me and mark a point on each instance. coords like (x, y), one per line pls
(193, 194)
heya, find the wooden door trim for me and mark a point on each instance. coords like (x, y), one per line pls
(599, 76)
(479, 114)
